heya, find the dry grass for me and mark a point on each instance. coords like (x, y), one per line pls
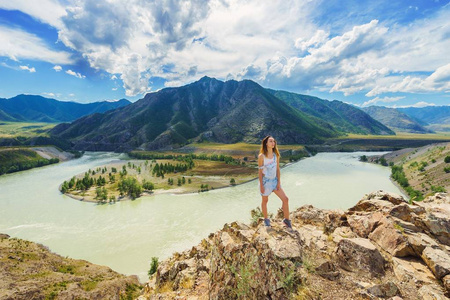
(400, 136)
(14, 129)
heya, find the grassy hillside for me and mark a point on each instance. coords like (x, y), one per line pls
(426, 169)
(31, 271)
(343, 117)
(395, 119)
(14, 160)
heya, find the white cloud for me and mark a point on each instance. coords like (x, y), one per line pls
(138, 40)
(384, 99)
(57, 68)
(17, 44)
(278, 43)
(31, 70)
(438, 81)
(49, 94)
(71, 95)
(114, 89)
(318, 39)
(418, 104)
(78, 75)
(47, 11)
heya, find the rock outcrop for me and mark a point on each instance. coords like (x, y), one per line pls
(30, 271)
(382, 248)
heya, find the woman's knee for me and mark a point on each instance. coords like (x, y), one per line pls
(265, 200)
(286, 199)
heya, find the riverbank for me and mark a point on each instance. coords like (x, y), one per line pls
(16, 159)
(423, 168)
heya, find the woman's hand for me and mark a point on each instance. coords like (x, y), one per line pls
(262, 189)
(278, 185)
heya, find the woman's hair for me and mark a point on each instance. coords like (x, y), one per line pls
(263, 149)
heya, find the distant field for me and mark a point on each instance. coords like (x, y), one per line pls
(15, 129)
(239, 146)
(400, 136)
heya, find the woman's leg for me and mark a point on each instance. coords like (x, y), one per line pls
(264, 201)
(285, 206)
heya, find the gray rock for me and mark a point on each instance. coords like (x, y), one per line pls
(437, 260)
(419, 241)
(413, 271)
(385, 290)
(446, 282)
(343, 233)
(391, 239)
(428, 292)
(363, 225)
(359, 254)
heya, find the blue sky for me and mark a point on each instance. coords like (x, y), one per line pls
(390, 53)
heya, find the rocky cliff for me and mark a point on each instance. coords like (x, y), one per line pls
(382, 247)
(30, 271)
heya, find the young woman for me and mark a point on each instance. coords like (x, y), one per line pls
(269, 178)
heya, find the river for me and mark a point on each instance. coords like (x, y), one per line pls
(125, 235)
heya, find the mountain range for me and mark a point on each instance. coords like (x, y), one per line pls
(396, 119)
(32, 108)
(343, 117)
(213, 110)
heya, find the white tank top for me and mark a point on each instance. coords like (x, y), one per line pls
(270, 167)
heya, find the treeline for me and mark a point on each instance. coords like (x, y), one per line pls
(160, 169)
(84, 183)
(16, 160)
(126, 185)
(185, 157)
(398, 175)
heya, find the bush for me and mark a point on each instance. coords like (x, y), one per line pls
(447, 159)
(131, 187)
(147, 185)
(153, 266)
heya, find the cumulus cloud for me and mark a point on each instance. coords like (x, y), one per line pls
(57, 68)
(318, 39)
(278, 43)
(132, 39)
(384, 99)
(78, 75)
(26, 68)
(438, 81)
(47, 11)
(17, 44)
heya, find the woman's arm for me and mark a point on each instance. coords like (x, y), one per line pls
(260, 172)
(278, 174)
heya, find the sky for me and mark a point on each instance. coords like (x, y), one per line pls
(391, 53)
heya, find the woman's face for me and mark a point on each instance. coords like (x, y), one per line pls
(271, 143)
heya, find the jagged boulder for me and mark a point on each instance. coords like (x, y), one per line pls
(360, 254)
(391, 239)
(382, 247)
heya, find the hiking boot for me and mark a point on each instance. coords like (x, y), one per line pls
(287, 223)
(267, 222)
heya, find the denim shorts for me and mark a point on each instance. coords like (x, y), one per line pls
(270, 184)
